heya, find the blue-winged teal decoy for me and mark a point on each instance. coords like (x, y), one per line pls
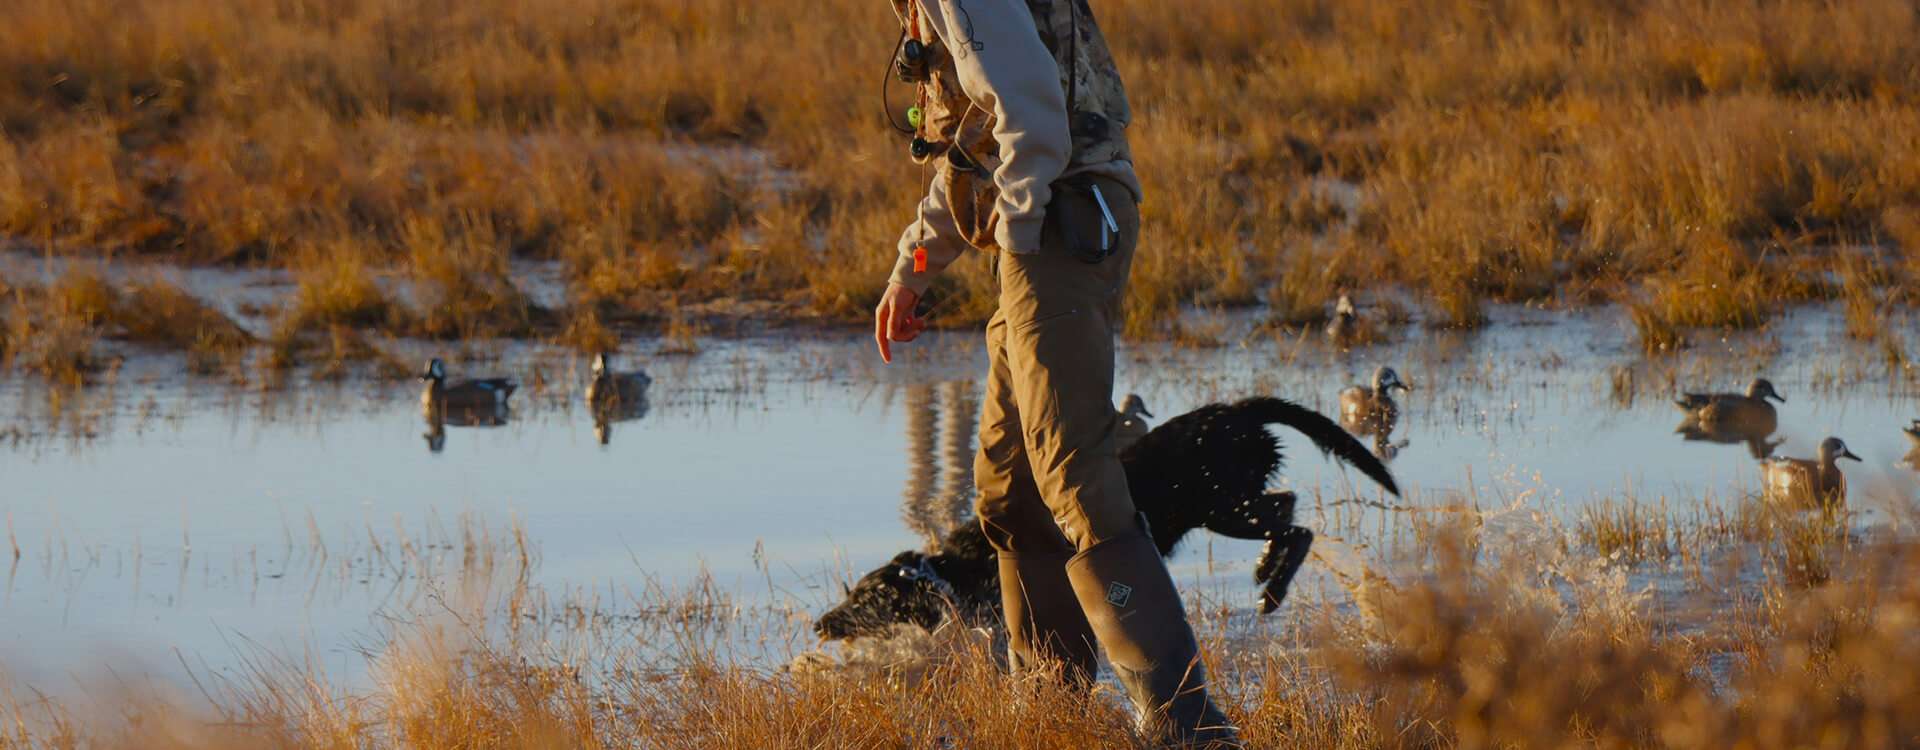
(1133, 421)
(1913, 433)
(1370, 409)
(440, 397)
(1747, 413)
(1808, 482)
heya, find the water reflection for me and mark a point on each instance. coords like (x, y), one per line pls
(1757, 440)
(962, 416)
(940, 422)
(916, 498)
(496, 415)
(624, 411)
(769, 443)
(1379, 426)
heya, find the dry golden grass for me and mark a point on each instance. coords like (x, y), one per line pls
(1522, 150)
(61, 349)
(1528, 647)
(55, 331)
(338, 288)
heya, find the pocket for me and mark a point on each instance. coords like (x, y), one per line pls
(1034, 322)
(1074, 224)
(1038, 288)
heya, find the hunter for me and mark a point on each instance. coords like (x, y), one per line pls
(1021, 120)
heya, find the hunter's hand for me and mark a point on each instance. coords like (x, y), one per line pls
(894, 320)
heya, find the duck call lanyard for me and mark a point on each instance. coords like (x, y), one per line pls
(912, 33)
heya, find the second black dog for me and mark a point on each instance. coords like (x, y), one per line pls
(1206, 469)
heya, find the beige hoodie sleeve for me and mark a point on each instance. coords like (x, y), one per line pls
(933, 229)
(1006, 70)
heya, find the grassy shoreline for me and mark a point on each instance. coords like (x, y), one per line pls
(1457, 628)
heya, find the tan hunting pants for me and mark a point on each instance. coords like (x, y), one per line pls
(1048, 471)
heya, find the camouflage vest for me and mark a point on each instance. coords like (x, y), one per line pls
(1096, 103)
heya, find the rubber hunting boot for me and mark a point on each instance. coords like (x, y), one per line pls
(1044, 618)
(1130, 601)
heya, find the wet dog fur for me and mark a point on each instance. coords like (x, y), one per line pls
(1206, 469)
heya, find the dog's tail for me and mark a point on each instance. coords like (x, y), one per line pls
(1325, 434)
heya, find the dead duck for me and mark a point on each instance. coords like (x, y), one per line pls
(1808, 482)
(1344, 327)
(1133, 421)
(1370, 409)
(443, 400)
(612, 392)
(1747, 413)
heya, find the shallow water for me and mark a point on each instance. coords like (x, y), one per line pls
(163, 520)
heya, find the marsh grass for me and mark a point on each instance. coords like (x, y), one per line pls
(339, 288)
(161, 314)
(1618, 530)
(1522, 152)
(1490, 641)
(683, 333)
(61, 349)
(56, 330)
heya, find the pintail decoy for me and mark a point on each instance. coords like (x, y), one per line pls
(1808, 482)
(1133, 421)
(1370, 409)
(612, 392)
(441, 397)
(1733, 412)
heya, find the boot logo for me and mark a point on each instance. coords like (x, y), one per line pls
(1118, 594)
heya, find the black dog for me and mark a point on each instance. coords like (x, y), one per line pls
(1206, 469)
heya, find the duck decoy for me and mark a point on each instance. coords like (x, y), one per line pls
(1732, 418)
(1808, 482)
(615, 396)
(1912, 458)
(478, 401)
(1369, 410)
(1344, 327)
(1746, 413)
(616, 392)
(1133, 421)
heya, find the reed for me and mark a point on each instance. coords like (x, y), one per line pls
(1527, 647)
(1526, 151)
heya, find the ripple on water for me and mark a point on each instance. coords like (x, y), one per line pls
(177, 513)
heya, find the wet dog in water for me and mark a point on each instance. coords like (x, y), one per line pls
(1206, 469)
